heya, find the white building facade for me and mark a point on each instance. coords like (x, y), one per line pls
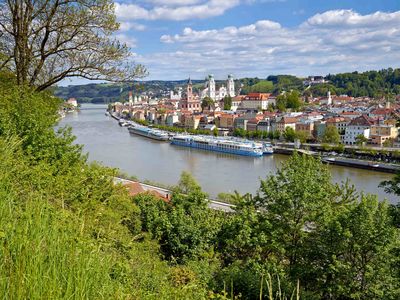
(217, 95)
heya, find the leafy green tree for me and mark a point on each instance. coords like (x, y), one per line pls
(302, 136)
(63, 39)
(294, 199)
(351, 254)
(207, 102)
(388, 143)
(293, 100)
(361, 139)
(392, 186)
(185, 227)
(227, 102)
(331, 135)
(289, 100)
(289, 134)
(281, 103)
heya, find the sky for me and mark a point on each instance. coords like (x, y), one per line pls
(176, 39)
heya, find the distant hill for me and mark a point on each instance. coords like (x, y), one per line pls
(371, 83)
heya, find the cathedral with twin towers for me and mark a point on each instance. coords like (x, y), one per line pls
(192, 102)
(217, 95)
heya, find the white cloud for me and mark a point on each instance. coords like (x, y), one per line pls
(352, 18)
(126, 26)
(317, 46)
(174, 10)
(175, 2)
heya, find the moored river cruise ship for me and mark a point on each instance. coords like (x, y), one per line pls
(148, 132)
(224, 145)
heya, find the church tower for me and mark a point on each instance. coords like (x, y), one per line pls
(329, 102)
(211, 87)
(130, 99)
(189, 91)
(230, 85)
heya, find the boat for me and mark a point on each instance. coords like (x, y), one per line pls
(224, 145)
(123, 123)
(267, 148)
(154, 134)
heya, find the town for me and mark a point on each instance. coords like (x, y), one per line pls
(289, 116)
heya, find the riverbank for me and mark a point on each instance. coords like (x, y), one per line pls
(106, 142)
(328, 158)
(344, 161)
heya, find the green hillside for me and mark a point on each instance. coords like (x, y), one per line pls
(371, 83)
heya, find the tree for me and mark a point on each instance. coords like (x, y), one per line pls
(361, 139)
(289, 134)
(185, 227)
(46, 41)
(388, 143)
(207, 102)
(302, 136)
(331, 135)
(289, 100)
(281, 103)
(227, 102)
(215, 131)
(351, 254)
(297, 197)
(293, 100)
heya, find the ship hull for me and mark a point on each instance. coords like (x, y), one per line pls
(148, 135)
(215, 148)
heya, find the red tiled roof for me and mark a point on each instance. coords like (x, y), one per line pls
(288, 120)
(382, 111)
(362, 120)
(135, 188)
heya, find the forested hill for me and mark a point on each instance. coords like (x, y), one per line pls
(109, 92)
(371, 83)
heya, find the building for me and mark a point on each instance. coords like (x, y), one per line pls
(252, 124)
(190, 102)
(241, 122)
(73, 102)
(284, 122)
(255, 101)
(172, 119)
(177, 96)
(356, 127)
(227, 121)
(191, 121)
(381, 133)
(313, 80)
(305, 126)
(211, 91)
(264, 125)
(237, 102)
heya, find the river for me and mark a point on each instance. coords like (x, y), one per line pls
(112, 145)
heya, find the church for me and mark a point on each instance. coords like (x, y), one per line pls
(191, 102)
(210, 89)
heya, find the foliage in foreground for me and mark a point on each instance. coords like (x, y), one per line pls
(67, 232)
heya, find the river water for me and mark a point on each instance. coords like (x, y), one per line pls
(112, 145)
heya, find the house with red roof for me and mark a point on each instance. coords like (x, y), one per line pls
(360, 126)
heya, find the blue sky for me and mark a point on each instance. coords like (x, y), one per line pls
(178, 38)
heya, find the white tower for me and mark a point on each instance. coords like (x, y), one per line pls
(211, 87)
(130, 98)
(329, 98)
(230, 85)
